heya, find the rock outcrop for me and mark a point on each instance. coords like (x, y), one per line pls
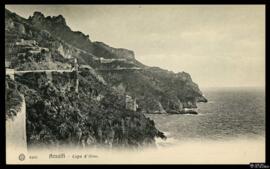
(107, 75)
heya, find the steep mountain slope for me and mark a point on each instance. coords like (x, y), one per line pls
(171, 91)
(107, 75)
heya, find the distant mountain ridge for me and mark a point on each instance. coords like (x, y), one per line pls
(156, 89)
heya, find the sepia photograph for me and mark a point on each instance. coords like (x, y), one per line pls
(135, 84)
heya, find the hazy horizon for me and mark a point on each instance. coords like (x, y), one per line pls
(218, 45)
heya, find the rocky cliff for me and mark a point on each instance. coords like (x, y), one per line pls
(108, 74)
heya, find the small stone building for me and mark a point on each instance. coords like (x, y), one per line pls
(131, 103)
(23, 42)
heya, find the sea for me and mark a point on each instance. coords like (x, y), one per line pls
(230, 114)
(229, 129)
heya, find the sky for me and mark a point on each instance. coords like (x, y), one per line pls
(219, 45)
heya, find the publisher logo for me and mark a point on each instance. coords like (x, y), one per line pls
(21, 157)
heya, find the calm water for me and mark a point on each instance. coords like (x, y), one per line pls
(231, 113)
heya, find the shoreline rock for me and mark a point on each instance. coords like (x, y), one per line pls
(183, 112)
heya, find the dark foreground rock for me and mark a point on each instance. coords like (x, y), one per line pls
(57, 116)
